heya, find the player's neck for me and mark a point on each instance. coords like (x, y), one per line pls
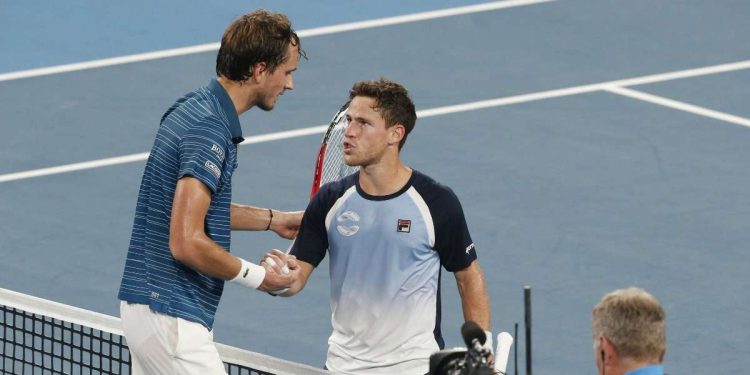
(384, 179)
(239, 92)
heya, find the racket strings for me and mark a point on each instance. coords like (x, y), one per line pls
(334, 167)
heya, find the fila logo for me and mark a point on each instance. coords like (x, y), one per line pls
(469, 248)
(218, 150)
(404, 226)
(348, 217)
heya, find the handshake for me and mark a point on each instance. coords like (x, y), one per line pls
(282, 273)
(277, 274)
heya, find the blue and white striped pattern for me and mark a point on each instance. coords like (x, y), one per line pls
(196, 138)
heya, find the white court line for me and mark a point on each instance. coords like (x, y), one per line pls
(654, 78)
(415, 17)
(450, 12)
(508, 100)
(682, 106)
(144, 155)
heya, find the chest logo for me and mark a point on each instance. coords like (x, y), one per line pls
(403, 226)
(347, 223)
(219, 151)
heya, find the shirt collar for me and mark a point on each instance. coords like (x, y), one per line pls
(226, 104)
(648, 370)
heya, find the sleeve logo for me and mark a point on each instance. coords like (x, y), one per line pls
(469, 248)
(212, 168)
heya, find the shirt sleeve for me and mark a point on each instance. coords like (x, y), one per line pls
(452, 239)
(202, 154)
(311, 244)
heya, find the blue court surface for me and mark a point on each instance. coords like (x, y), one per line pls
(600, 144)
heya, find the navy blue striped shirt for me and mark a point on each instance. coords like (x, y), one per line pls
(197, 137)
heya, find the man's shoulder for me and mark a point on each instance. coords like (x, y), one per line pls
(331, 191)
(196, 108)
(430, 189)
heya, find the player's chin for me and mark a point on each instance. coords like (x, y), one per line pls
(351, 161)
(267, 105)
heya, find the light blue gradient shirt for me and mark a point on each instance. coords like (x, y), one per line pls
(386, 254)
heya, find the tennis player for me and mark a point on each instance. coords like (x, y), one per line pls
(388, 229)
(178, 257)
(629, 330)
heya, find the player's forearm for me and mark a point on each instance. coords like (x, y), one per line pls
(203, 255)
(474, 299)
(250, 218)
(476, 308)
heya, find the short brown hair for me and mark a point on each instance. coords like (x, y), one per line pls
(391, 100)
(634, 321)
(260, 36)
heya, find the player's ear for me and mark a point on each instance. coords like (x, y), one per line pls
(396, 134)
(258, 69)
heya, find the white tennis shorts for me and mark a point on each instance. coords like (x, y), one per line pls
(163, 344)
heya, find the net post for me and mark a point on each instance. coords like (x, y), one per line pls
(515, 350)
(527, 324)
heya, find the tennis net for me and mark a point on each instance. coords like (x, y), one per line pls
(44, 337)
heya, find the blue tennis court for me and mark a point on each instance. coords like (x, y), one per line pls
(594, 144)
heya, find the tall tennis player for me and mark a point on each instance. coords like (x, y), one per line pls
(179, 259)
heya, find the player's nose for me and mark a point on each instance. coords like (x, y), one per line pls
(289, 83)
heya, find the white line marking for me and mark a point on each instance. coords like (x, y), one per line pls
(302, 33)
(713, 69)
(682, 106)
(108, 62)
(285, 134)
(421, 114)
(419, 17)
(144, 155)
(654, 78)
(74, 167)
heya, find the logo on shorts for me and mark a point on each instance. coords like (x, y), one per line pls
(404, 226)
(219, 151)
(469, 248)
(348, 221)
(213, 168)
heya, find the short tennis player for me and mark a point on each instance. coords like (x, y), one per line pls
(388, 229)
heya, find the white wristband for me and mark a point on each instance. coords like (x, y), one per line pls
(488, 342)
(251, 275)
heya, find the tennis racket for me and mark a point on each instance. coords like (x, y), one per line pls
(329, 165)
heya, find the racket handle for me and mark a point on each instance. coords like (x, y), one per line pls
(289, 249)
(504, 342)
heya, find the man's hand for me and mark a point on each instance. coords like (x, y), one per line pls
(286, 224)
(282, 270)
